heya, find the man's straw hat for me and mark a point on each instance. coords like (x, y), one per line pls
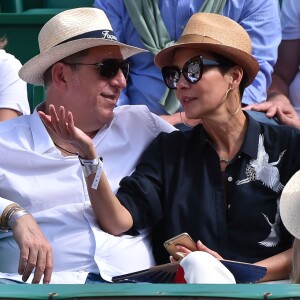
(216, 34)
(67, 33)
(290, 205)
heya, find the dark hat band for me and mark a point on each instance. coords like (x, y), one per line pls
(196, 38)
(102, 34)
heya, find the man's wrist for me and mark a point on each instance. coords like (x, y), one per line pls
(10, 214)
(18, 214)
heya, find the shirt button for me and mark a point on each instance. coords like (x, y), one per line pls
(182, 27)
(228, 207)
(230, 179)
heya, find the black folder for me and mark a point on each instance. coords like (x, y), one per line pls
(243, 273)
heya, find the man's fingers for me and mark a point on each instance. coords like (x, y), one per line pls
(35, 261)
(49, 268)
(264, 106)
(267, 108)
(271, 112)
(24, 253)
(40, 267)
(31, 264)
(284, 119)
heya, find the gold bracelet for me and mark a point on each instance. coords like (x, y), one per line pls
(8, 212)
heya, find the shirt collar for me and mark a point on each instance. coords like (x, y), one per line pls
(42, 141)
(250, 143)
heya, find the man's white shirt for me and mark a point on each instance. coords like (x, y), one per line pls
(52, 188)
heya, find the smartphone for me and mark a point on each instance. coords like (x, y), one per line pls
(182, 239)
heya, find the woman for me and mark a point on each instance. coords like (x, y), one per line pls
(220, 182)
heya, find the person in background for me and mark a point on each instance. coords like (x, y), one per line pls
(289, 212)
(83, 68)
(13, 90)
(285, 118)
(221, 181)
(156, 24)
(284, 93)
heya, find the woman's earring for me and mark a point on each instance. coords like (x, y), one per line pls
(226, 104)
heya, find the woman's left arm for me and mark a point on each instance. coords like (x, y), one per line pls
(279, 266)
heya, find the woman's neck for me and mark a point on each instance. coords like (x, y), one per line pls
(227, 137)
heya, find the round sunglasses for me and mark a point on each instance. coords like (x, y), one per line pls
(192, 71)
(108, 68)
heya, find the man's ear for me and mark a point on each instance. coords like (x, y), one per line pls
(60, 73)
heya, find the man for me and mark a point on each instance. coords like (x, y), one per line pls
(82, 66)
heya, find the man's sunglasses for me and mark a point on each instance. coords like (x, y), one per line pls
(108, 68)
(192, 71)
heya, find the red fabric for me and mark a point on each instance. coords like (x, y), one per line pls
(179, 276)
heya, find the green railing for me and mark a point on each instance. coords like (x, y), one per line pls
(151, 291)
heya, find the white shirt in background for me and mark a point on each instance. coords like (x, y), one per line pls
(13, 90)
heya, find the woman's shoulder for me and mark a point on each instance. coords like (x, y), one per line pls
(279, 133)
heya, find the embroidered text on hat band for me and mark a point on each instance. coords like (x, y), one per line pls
(102, 34)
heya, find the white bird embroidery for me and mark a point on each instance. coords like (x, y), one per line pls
(261, 169)
(274, 237)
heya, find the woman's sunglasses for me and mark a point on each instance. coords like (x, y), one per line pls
(108, 68)
(192, 71)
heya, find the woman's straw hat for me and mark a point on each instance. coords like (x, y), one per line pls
(290, 205)
(67, 33)
(216, 34)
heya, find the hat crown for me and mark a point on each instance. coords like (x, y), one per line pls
(69, 32)
(215, 34)
(290, 205)
(219, 29)
(71, 23)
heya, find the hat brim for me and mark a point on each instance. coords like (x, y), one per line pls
(290, 205)
(246, 61)
(33, 70)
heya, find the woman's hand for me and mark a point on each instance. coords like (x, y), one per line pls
(202, 247)
(183, 251)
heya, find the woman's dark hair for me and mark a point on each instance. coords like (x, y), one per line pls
(225, 65)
